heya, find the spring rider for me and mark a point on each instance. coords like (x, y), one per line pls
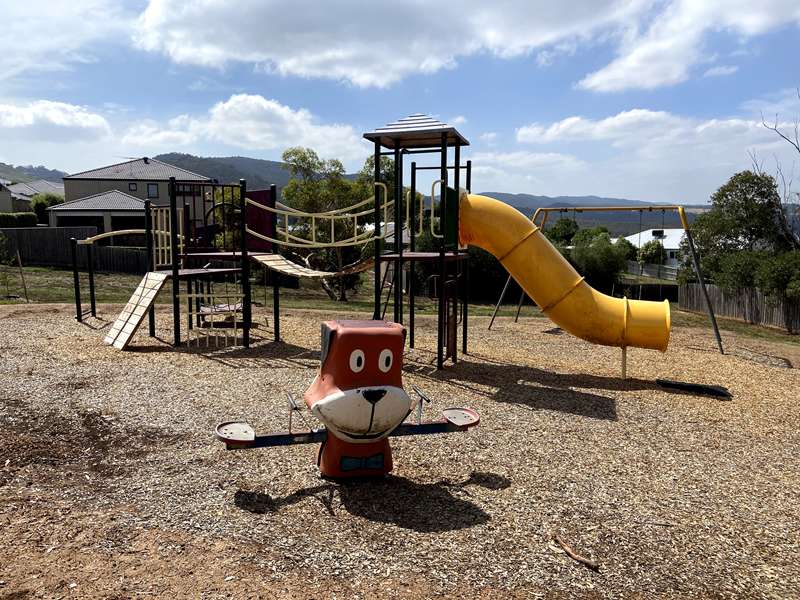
(359, 398)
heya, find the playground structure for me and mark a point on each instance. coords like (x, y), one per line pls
(545, 212)
(254, 227)
(358, 396)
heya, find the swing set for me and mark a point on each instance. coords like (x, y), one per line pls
(545, 213)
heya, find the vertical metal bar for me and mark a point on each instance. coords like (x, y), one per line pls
(465, 324)
(247, 309)
(76, 279)
(469, 176)
(699, 274)
(441, 316)
(90, 270)
(189, 320)
(173, 242)
(377, 268)
(412, 229)
(398, 233)
(151, 261)
(458, 266)
(499, 301)
(276, 284)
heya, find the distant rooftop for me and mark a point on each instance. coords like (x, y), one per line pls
(670, 238)
(40, 186)
(416, 131)
(113, 200)
(142, 169)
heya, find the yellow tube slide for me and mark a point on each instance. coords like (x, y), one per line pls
(554, 285)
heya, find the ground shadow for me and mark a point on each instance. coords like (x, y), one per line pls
(538, 389)
(421, 507)
(271, 355)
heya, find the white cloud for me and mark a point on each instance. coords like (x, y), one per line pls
(255, 123)
(721, 71)
(46, 121)
(667, 50)
(42, 35)
(367, 44)
(489, 138)
(654, 155)
(458, 120)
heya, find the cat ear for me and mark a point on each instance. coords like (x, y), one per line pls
(327, 339)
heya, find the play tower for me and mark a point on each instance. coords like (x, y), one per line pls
(420, 134)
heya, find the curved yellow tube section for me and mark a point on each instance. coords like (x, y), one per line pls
(554, 285)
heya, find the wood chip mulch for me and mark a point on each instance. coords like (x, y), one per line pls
(112, 485)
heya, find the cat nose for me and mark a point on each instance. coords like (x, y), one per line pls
(372, 396)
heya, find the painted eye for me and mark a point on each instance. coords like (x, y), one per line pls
(357, 361)
(385, 360)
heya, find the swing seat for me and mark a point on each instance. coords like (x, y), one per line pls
(461, 416)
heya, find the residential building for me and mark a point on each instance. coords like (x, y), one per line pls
(670, 239)
(20, 194)
(108, 211)
(144, 178)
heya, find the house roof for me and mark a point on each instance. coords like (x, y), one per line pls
(140, 168)
(40, 186)
(416, 131)
(113, 200)
(671, 239)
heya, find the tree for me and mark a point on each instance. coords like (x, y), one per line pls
(779, 278)
(319, 185)
(790, 229)
(628, 250)
(739, 270)
(652, 253)
(562, 231)
(41, 202)
(596, 258)
(744, 215)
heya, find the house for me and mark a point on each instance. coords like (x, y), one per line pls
(20, 194)
(108, 211)
(669, 238)
(144, 178)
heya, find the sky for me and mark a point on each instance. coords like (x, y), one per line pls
(651, 100)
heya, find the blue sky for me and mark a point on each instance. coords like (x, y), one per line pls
(655, 100)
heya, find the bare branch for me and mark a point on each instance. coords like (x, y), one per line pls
(758, 165)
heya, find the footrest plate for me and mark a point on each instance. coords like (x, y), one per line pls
(461, 417)
(236, 434)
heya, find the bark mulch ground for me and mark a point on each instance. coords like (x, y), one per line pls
(112, 485)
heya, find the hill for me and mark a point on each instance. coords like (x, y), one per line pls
(257, 172)
(29, 173)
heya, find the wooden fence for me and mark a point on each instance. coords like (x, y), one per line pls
(50, 247)
(749, 305)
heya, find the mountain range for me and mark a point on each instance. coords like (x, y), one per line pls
(29, 173)
(260, 173)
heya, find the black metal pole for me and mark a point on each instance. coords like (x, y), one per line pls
(441, 317)
(90, 270)
(276, 283)
(499, 301)
(460, 266)
(247, 308)
(76, 279)
(519, 305)
(469, 176)
(148, 241)
(398, 233)
(699, 274)
(412, 228)
(377, 268)
(173, 241)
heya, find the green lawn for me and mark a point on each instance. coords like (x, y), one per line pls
(55, 285)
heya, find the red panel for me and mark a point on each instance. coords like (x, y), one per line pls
(260, 221)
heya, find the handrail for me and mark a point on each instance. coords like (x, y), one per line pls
(433, 205)
(108, 234)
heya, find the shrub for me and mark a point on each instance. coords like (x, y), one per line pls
(41, 202)
(738, 269)
(597, 259)
(652, 253)
(10, 220)
(627, 249)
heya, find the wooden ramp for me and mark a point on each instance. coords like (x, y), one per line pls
(134, 312)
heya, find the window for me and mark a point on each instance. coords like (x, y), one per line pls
(152, 190)
(131, 187)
